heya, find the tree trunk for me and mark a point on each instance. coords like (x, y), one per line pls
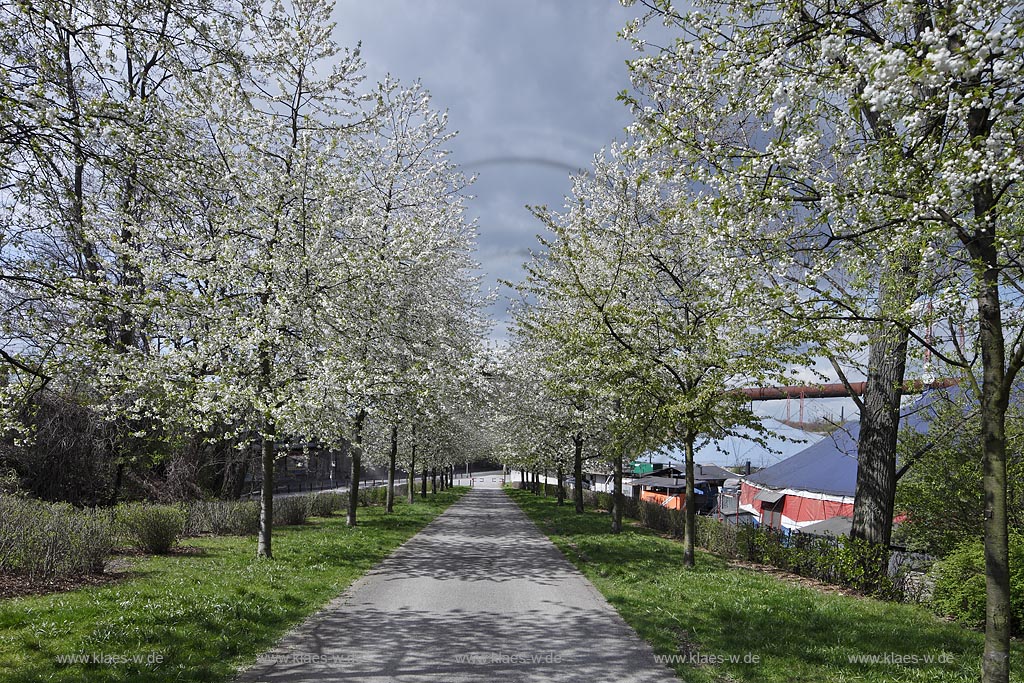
(996, 661)
(875, 491)
(423, 484)
(411, 493)
(560, 486)
(392, 464)
(577, 471)
(263, 546)
(689, 514)
(433, 480)
(995, 391)
(617, 496)
(356, 451)
(116, 489)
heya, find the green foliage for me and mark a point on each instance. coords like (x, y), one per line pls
(243, 519)
(222, 518)
(48, 540)
(206, 613)
(150, 528)
(326, 504)
(842, 561)
(798, 633)
(10, 482)
(960, 583)
(376, 495)
(941, 493)
(291, 510)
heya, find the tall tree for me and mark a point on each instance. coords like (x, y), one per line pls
(272, 260)
(888, 135)
(659, 307)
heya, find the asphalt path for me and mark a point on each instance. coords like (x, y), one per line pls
(479, 595)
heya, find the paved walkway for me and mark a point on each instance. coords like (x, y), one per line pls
(478, 595)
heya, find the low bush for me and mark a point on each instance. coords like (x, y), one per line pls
(715, 537)
(150, 528)
(841, 561)
(243, 518)
(326, 504)
(291, 510)
(200, 516)
(46, 540)
(960, 583)
(374, 495)
(222, 518)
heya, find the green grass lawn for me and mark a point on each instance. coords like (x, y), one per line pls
(203, 615)
(715, 612)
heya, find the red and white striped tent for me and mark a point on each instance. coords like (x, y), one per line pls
(817, 483)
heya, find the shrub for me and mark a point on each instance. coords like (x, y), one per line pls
(326, 504)
(151, 528)
(222, 518)
(46, 540)
(960, 583)
(374, 496)
(291, 510)
(716, 537)
(843, 561)
(243, 518)
(199, 517)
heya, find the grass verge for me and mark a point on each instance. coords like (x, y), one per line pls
(200, 615)
(722, 623)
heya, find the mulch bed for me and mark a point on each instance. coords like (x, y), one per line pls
(117, 569)
(19, 586)
(793, 578)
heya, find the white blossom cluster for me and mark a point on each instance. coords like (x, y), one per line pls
(211, 224)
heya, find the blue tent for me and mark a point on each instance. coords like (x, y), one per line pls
(830, 465)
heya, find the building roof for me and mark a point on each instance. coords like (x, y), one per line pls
(701, 472)
(833, 526)
(769, 496)
(668, 483)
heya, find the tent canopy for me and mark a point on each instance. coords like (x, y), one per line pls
(830, 465)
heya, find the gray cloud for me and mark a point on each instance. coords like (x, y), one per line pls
(529, 84)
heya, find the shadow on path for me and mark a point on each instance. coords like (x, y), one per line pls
(479, 595)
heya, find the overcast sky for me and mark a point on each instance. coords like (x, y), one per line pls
(530, 86)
